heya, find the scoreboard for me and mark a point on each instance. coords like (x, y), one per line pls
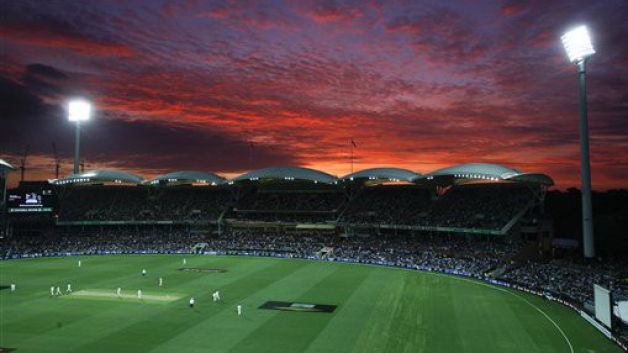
(32, 198)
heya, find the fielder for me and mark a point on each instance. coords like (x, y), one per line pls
(239, 309)
(139, 294)
(118, 292)
(12, 287)
(69, 289)
(79, 263)
(52, 291)
(144, 273)
(185, 262)
(192, 303)
(161, 281)
(58, 291)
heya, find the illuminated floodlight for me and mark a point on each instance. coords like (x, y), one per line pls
(79, 110)
(577, 43)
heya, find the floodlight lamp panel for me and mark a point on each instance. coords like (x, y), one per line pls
(577, 43)
(79, 110)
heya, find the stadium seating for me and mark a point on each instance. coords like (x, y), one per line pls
(471, 206)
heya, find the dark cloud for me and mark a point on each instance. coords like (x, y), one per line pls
(45, 71)
(45, 80)
(61, 28)
(129, 144)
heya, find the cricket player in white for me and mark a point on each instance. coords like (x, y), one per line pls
(12, 287)
(192, 302)
(52, 290)
(139, 294)
(161, 281)
(185, 261)
(58, 291)
(239, 309)
(144, 272)
(79, 263)
(69, 290)
(217, 295)
(214, 296)
(118, 292)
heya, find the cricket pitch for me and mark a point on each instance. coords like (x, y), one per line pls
(124, 296)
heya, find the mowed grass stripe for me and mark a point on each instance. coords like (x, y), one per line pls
(227, 329)
(407, 333)
(377, 326)
(298, 329)
(443, 335)
(343, 330)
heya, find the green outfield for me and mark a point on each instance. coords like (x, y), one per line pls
(377, 309)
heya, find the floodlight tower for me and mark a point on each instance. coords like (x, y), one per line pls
(579, 48)
(78, 110)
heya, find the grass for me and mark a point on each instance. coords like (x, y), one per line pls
(379, 309)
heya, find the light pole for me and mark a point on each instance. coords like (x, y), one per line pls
(579, 48)
(79, 110)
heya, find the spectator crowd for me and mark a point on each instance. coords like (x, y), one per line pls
(483, 206)
(469, 255)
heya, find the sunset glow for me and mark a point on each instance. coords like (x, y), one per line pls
(230, 86)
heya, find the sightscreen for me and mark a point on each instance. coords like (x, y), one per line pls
(603, 305)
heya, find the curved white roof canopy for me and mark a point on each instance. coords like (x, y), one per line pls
(101, 175)
(465, 173)
(286, 173)
(383, 174)
(188, 176)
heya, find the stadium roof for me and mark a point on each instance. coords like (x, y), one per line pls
(5, 166)
(286, 173)
(467, 173)
(390, 174)
(102, 175)
(188, 176)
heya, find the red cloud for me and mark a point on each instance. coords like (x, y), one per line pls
(79, 44)
(513, 9)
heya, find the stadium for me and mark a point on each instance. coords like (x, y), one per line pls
(313, 176)
(380, 260)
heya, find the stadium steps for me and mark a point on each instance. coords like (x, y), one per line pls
(516, 218)
(230, 205)
(502, 270)
(347, 204)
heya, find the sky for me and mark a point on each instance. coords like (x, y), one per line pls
(231, 86)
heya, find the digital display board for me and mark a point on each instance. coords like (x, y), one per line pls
(31, 199)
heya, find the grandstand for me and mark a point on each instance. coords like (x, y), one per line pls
(464, 198)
